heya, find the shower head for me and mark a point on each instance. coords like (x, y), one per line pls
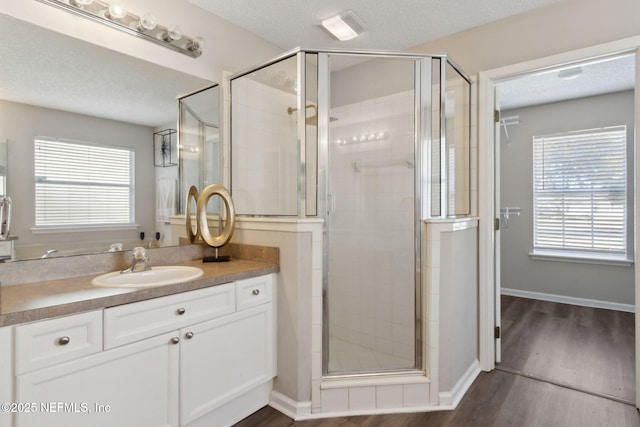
(311, 120)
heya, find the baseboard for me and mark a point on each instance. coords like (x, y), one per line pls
(236, 409)
(288, 406)
(301, 411)
(453, 397)
(630, 308)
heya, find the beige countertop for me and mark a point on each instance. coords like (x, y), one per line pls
(40, 300)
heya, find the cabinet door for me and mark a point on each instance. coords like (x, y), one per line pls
(134, 385)
(224, 358)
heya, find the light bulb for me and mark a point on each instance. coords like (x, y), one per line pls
(116, 11)
(173, 34)
(196, 44)
(147, 22)
(81, 3)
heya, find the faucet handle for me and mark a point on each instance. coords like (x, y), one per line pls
(139, 253)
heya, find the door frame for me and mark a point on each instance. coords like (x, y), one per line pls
(488, 291)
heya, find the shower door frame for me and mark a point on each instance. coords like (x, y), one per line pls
(422, 140)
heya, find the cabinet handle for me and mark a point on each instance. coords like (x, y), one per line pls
(256, 292)
(64, 340)
(175, 340)
(181, 311)
(188, 335)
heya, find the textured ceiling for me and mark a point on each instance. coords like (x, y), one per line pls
(391, 24)
(597, 77)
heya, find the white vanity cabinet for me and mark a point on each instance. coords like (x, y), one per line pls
(204, 357)
(134, 385)
(222, 359)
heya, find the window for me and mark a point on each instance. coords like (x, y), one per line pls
(80, 184)
(580, 193)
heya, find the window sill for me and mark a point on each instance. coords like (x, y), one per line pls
(580, 258)
(83, 228)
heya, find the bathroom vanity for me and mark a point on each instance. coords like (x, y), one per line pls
(202, 355)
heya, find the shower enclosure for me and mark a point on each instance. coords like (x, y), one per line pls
(374, 143)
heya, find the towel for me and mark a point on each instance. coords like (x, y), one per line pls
(165, 199)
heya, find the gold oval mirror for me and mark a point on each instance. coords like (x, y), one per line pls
(201, 215)
(193, 193)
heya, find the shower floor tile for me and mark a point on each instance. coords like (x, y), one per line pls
(345, 356)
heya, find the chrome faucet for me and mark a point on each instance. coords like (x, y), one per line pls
(139, 257)
(49, 253)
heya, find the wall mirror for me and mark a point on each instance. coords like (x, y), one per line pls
(60, 87)
(200, 145)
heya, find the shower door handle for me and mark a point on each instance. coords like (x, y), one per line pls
(331, 204)
(5, 217)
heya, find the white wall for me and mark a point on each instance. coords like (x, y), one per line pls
(458, 305)
(560, 27)
(599, 282)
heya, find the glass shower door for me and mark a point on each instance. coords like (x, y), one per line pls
(371, 226)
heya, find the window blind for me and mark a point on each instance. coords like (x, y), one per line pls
(580, 191)
(82, 184)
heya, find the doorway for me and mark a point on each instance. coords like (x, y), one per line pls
(491, 276)
(565, 198)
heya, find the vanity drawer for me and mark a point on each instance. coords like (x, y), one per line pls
(253, 292)
(132, 322)
(49, 342)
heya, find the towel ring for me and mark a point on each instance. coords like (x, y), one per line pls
(201, 216)
(193, 192)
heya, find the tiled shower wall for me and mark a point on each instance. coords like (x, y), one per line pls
(265, 155)
(371, 275)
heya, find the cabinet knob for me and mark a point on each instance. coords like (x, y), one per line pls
(256, 291)
(181, 311)
(175, 340)
(64, 340)
(188, 335)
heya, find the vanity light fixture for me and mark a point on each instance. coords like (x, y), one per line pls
(174, 34)
(145, 26)
(147, 22)
(365, 137)
(188, 149)
(115, 12)
(345, 26)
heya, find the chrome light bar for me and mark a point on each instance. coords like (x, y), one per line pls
(144, 26)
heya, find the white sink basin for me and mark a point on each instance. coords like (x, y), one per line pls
(157, 276)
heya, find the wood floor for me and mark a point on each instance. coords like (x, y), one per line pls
(552, 340)
(587, 348)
